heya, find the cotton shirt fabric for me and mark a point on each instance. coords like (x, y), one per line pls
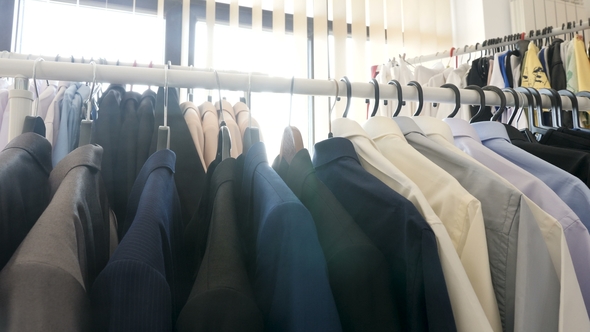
(569, 188)
(396, 227)
(53, 116)
(467, 139)
(71, 116)
(41, 104)
(512, 235)
(467, 309)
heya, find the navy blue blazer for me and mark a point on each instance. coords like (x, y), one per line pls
(144, 286)
(395, 227)
(286, 263)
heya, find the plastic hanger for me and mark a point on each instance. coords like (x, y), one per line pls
(164, 131)
(555, 106)
(479, 116)
(536, 110)
(530, 110)
(400, 101)
(457, 98)
(336, 99)
(376, 89)
(86, 124)
(224, 138)
(420, 96)
(575, 107)
(348, 95)
(34, 123)
(517, 108)
(292, 141)
(502, 101)
(251, 134)
(584, 94)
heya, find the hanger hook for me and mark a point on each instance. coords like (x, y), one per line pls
(457, 98)
(516, 103)
(399, 94)
(482, 101)
(502, 97)
(220, 100)
(420, 96)
(166, 68)
(336, 99)
(291, 98)
(348, 94)
(35, 83)
(88, 107)
(376, 88)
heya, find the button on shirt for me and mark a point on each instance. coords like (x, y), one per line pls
(467, 309)
(457, 209)
(467, 139)
(512, 235)
(395, 226)
(568, 187)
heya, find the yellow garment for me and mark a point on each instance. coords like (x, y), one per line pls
(582, 65)
(533, 75)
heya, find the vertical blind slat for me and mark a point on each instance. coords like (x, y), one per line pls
(377, 31)
(361, 72)
(320, 66)
(395, 42)
(340, 32)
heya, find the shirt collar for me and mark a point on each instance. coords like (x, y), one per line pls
(407, 125)
(488, 130)
(462, 128)
(433, 126)
(35, 145)
(514, 134)
(331, 149)
(380, 126)
(85, 156)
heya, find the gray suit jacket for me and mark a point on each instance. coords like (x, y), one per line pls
(43, 286)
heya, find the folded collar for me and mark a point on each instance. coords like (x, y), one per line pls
(434, 126)
(380, 126)
(407, 125)
(488, 130)
(462, 128)
(331, 149)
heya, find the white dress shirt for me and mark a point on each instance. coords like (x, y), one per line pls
(467, 309)
(459, 211)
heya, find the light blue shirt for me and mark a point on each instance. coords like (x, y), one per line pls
(576, 234)
(71, 117)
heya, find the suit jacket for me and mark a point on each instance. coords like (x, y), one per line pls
(141, 287)
(567, 138)
(222, 298)
(358, 272)
(190, 175)
(279, 232)
(25, 164)
(396, 227)
(43, 287)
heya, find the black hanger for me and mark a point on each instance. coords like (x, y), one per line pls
(502, 100)
(376, 88)
(482, 103)
(530, 110)
(399, 94)
(555, 106)
(420, 96)
(224, 137)
(584, 94)
(575, 107)
(537, 110)
(348, 95)
(457, 98)
(516, 106)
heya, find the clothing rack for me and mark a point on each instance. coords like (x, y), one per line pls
(187, 77)
(478, 48)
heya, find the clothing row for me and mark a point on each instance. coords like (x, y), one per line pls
(558, 65)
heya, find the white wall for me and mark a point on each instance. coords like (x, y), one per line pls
(477, 20)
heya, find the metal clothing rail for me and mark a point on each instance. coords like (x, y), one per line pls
(478, 48)
(181, 77)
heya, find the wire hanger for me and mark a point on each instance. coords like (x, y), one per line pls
(164, 131)
(420, 97)
(457, 98)
(348, 95)
(482, 103)
(336, 99)
(376, 88)
(33, 123)
(502, 101)
(400, 101)
(517, 109)
(251, 134)
(224, 138)
(86, 124)
(292, 141)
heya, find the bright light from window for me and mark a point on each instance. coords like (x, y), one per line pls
(244, 50)
(55, 28)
